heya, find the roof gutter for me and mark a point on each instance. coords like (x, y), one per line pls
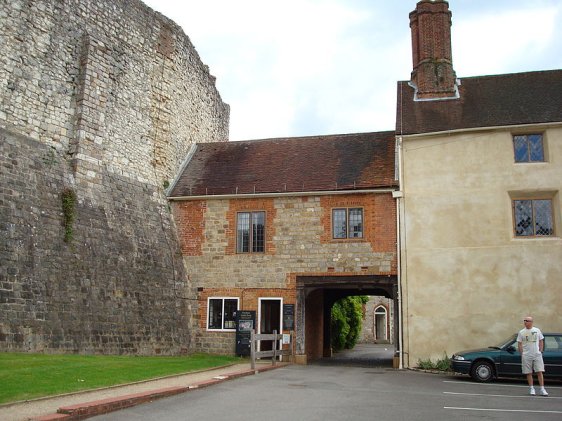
(283, 194)
(481, 129)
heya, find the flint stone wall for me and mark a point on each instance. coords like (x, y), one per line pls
(104, 98)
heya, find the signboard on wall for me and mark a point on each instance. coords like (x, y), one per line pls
(245, 322)
(288, 316)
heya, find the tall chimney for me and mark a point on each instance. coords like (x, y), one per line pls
(433, 76)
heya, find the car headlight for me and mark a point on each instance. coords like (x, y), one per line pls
(458, 357)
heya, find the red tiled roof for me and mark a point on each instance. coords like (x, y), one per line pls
(485, 101)
(295, 164)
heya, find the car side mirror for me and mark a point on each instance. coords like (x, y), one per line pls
(511, 349)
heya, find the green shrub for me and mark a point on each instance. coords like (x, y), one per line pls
(346, 318)
(442, 364)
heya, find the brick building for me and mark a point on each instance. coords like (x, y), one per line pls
(269, 224)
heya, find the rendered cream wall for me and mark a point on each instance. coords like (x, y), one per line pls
(467, 281)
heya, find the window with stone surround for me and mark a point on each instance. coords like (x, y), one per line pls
(347, 223)
(221, 313)
(250, 232)
(528, 147)
(533, 217)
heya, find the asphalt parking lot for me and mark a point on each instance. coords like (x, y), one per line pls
(323, 392)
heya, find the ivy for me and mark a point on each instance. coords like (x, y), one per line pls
(69, 212)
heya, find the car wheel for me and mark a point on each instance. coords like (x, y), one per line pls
(482, 371)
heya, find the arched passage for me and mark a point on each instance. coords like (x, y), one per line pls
(315, 297)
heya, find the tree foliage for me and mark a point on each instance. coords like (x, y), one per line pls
(347, 315)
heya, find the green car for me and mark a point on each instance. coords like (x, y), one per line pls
(504, 360)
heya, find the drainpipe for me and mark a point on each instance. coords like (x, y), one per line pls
(398, 195)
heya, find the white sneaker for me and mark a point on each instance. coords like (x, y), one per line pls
(532, 391)
(543, 392)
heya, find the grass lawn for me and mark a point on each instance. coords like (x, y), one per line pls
(27, 376)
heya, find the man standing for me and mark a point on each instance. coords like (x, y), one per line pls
(530, 342)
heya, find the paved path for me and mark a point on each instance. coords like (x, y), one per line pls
(35, 409)
(365, 355)
(108, 399)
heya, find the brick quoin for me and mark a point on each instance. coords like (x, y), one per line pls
(379, 219)
(248, 205)
(190, 222)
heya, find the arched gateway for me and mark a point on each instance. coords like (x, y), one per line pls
(315, 298)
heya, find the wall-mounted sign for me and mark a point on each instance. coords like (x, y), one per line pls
(288, 316)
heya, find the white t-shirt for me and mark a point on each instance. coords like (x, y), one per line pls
(530, 339)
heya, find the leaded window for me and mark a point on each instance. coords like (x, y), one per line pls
(347, 223)
(533, 217)
(250, 232)
(528, 148)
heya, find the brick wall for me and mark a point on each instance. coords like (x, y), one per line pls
(298, 231)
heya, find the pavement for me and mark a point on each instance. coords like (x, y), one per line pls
(82, 405)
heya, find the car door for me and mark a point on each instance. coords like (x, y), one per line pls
(552, 355)
(510, 360)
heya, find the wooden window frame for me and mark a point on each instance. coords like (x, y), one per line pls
(532, 199)
(250, 237)
(347, 226)
(223, 299)
(526, 136)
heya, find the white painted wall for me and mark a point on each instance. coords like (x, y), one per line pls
(467, 281)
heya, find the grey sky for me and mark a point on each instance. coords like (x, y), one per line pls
(308, 67)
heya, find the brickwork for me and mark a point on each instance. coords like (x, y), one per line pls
(104, 98)
(190, 222)
(433, 73)
(298, 229)
(248, 205)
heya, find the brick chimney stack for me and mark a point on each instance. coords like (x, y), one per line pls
(433, 76)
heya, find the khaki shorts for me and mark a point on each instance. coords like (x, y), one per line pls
(532, 363)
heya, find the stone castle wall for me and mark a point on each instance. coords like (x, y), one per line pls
(102, 99)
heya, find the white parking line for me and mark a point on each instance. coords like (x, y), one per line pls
(503, 410)
(502, 396)
(497, 384)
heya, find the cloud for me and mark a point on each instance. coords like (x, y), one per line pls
(504, 41)
(307, 67)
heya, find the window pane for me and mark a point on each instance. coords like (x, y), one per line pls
(339, 223)
(230, 307)
(521, 149)
(356, 223)
(528, 148)
(243, 233)
(523, 217)
(215, 314)
(542, 210)
(258, 232)
(535, 147)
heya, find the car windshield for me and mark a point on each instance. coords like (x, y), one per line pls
(505, 342)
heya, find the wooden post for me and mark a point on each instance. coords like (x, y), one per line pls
(253, 349)
(274, 347)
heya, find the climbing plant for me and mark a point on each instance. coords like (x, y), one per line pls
(69, 212)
